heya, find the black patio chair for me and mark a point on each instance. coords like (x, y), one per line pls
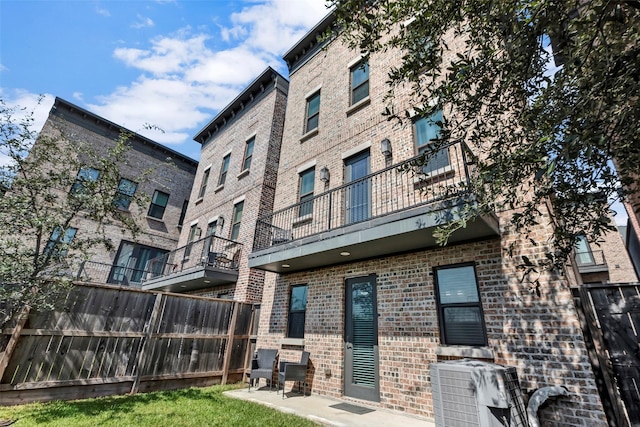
(291, 371)
(263, 366)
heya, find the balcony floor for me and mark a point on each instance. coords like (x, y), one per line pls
(395, 233)
(192, 279)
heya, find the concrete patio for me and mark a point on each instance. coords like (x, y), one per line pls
(328, 411)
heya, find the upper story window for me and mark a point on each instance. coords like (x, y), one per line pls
(224, 169)
(236, 219)
(85, 176)
(297, 311)
(584, 256)
(58, 244)
(425, 130)
(307, 179)
(313, 112)
(194, 234)
(459, 306)
(126, 190)
(248, 153)
(205, 180)
(183, 212)
(158, 204)
(359, 82)
(211, 228)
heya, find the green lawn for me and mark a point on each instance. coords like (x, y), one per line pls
(190, 407)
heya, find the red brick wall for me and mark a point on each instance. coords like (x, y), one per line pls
(531, 321)
(264, 119)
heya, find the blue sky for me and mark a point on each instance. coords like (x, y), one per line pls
(171, 64)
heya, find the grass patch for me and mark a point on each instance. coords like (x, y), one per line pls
(189, 407)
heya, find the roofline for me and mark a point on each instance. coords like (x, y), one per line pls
(101, 121)
(309, 42)
(242, 101)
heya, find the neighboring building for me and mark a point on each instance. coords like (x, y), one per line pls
(606, 261)
(355, 276)
(234, 185)
(168, 185)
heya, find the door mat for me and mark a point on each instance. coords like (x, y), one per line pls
(352, 408)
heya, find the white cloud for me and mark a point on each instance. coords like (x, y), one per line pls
(25, 103)
(184, 82)
(167, 54)
(102, 11)
(143, 22)
(274, 26)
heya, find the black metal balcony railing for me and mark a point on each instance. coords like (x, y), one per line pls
(98, 272)
(208, 252)
(397, 188)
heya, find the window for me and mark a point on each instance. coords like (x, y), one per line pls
(248, 153)
(211, 228)
(224, 169)
(133, 261)
(58, 244)
(158, 204)
(203, 186)
(183, 212)
(297, 311)
(459, 307)
(313, 112)
(427, 129)
(359, 82)
(236, 219)
(583, 252)
(85, 176)
(306, 192)
(194, 234)
(126, 190)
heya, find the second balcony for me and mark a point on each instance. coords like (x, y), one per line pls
(393, 210)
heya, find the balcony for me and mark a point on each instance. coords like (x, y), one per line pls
(591, 262)
(204, 263)
(101, 273)
(390, 211)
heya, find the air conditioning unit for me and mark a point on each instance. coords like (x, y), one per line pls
(470, 393)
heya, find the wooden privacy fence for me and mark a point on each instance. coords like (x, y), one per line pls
(110, 340)
(611, 324)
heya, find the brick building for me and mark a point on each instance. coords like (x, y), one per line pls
(167, 185)
(234, 185)
(309, 214)
(355, 277)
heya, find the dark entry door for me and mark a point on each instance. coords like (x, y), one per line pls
(361, 339)
(358, 194)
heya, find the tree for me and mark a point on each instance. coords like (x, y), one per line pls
(536, 136)
(50, 182)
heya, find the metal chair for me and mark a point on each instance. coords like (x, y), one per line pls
(290, 371)
(263, 366)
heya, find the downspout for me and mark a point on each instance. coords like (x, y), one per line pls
(538, 398)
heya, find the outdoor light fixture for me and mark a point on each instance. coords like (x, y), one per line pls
(285, 266)
(385, 147)
(324, 174)
(345, 253)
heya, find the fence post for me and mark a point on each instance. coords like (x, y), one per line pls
(247, 354)
(232, 331)
(13, 341)
(144, 343)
